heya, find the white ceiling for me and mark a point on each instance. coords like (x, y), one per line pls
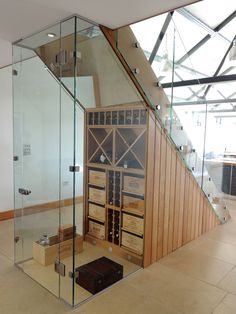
(19, 18)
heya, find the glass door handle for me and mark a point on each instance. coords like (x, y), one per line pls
(24, 191)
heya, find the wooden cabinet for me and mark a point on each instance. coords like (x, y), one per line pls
(116, 170)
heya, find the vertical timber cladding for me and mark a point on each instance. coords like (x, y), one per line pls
(177, 211)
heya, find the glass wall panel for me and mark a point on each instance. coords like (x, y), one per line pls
(80, 141)
(36, 166)
(183, 111)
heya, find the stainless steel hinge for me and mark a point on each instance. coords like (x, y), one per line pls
(24, 191)
(74, 168)
(60, 268)
(73, 274)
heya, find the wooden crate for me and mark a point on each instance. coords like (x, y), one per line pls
(97, 177)
(97, 195)
(97, 230)
(134, 184)
(97, 211)
(132, 223)
(133, 204)
(66, 232)
(132, 242)
(46, 255)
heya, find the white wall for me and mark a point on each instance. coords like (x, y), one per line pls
(48, 128)
(6, 143)
(5, 53)
(37, 123)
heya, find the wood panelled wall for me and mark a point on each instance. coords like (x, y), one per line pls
(177, 210)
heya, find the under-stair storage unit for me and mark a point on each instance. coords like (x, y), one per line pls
(147, 202)
(116, 148)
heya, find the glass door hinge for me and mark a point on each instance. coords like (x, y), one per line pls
(73, 274)
(74, 168)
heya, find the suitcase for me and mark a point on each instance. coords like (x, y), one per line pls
(99, 274)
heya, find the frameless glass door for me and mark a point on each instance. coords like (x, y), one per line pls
(36, 167)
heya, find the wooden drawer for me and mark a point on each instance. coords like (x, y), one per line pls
(97, 230)
(132, 242)
(134, 184)
(97, 177)
(97, 195)
(132, 223)
(133, 204)
(96, 211)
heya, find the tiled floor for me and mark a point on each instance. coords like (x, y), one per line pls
(31, 227)
(198, 278)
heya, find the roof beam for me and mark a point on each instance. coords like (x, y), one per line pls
(220, 66)
(201, 81)
(207, 37)
(160, 37)
(204, 102)
(204, 87)
(192, 18)
(191, 90)
(181, 66)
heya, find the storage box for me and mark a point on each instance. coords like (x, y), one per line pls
(54, 240)
(99, 274)
(97, 195)
(134, 184)
(97, 177)
(133, 204)
(97, 211)
(46, 255)
(132, 223)
(132, 242)
(66, 232)
(97, 230)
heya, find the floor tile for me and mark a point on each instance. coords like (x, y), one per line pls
(203, 267)
(7, 238)
(227, 306)
(183, 293)
(221, 250)
(21, 295)
(228, 283)
(6, 265)
(125, 300)
(224, 233)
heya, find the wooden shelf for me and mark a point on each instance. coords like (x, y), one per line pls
(97, 219)
(96, 202)
(123, 252)
(117, 149)
(133, 193)
(130, 250)
(113, 207)
(110, 167)
(132, 231)
(132, 211)
(120, 126)
(97, 185)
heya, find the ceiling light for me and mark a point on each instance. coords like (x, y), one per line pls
(51, 35)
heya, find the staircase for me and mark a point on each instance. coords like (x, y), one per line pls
(134, 59)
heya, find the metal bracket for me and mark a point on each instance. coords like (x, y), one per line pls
(73, 274)
(24, 191)
(16, 239)
(60, 268)
(74, 168)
